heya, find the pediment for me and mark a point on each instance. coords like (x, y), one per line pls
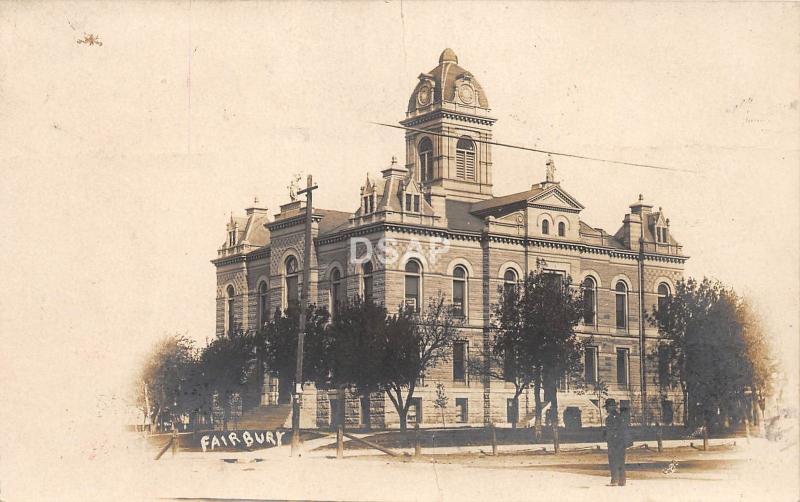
(659, 220)
(515, 218)
(555, 196)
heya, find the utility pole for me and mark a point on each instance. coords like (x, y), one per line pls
(298, 379)
(642, 338)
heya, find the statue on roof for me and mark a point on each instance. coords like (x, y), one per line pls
(294, 186)
(550, 169)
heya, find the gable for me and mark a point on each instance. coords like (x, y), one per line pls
(555, 197)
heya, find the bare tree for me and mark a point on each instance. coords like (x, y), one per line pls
(413, 344)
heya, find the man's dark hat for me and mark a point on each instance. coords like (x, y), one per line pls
(609, 403)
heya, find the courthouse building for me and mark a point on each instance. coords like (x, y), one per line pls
(441, 193)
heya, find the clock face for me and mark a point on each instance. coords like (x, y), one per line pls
(465, 93)
(424, 95)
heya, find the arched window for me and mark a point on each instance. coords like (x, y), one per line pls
(562, 229)
(510, 280)
(292, 291)
(413, 284)
(263, 303)
(545, 227)
(425, 149)
(230, 316)
(589, 301)
(459, 291)
(336, 290)
(621, 293)
(367, 271)
(663, 294)
(465, 159)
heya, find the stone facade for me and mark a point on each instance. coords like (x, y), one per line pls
(438, 210)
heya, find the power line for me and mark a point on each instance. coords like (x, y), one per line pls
(538, 150)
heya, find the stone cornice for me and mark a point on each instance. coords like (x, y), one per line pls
(555, 208)
(412, 122)
(383, 226)
(290, 222)
(229, 260)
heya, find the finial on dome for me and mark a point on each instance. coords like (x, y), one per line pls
(641, 197)
(448, 56)
(255, 199)
(550, 170)
(394, 160)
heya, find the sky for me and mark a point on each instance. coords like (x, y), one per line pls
(121, 162)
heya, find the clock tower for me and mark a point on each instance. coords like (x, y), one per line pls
(448, 130)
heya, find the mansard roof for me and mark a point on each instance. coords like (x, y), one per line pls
(332, 221)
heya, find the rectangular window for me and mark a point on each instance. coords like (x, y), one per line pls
(408, 202)
(368, 288)
(622, 367)
(292, 295)
(412, 292)
(622, 321)
(554, 280)
(664, 368)
(366, 205)
(590, 365)
(509, 370)
(462, 410)
(667, 412)
(459, 361)
(415, 411)
(588, 306)
(512, 411)
(365, 411)
(458, 297)
(416, 203)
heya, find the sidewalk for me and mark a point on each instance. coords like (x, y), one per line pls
(314, 449)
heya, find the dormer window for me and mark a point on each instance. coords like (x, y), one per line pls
(369, 204)
(661, 235)
(412, 203)
(465, 159)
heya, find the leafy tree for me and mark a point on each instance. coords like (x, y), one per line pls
(412, 344)
(351, 349)
(441, 400)
(276, 343)
(515, 366)
(760, 356)
(227, 364)
(535, 325)
(165, 378)
(712, 346)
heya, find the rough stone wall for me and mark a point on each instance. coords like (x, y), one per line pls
(485, 260)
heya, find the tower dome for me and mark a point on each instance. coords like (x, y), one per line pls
(447, 83)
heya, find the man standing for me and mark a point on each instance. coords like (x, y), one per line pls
(617, 437)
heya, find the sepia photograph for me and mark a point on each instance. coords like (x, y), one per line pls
(400, 251)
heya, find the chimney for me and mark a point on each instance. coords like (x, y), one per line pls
(632, 224)
(256, 208)
(394, 171)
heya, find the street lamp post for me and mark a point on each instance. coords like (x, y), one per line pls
(298, 379)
